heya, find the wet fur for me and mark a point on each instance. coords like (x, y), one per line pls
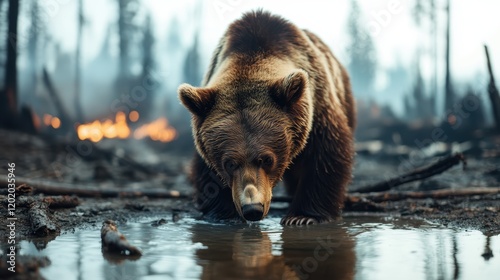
(317, 148)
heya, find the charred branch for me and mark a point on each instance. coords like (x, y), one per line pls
(114, 242)
(493, 91)
(437, 194)
(368, 202)
(41, 223)
(53, 188)
(53, 202)
(419, 174)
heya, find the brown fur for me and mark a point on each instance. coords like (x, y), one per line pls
(275, 103)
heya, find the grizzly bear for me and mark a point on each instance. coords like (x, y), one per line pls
(275, 104)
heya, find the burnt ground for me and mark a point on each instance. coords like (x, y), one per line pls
(131, 165)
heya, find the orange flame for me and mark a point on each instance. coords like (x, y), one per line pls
(97, 130)
(55, 122)
(158, 130)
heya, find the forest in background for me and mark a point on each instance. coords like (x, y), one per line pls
(47, 90)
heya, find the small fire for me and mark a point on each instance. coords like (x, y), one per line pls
(158, 130)
(97, 130)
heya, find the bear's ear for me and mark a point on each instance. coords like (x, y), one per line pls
(197, 100)
(290, 89)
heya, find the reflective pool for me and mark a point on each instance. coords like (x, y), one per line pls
(355, 248)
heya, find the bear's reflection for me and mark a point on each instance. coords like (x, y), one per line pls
(245, 252)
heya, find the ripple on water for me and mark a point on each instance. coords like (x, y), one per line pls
(359, 247)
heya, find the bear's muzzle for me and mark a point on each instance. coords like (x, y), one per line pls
(253, 212)
(252, 207)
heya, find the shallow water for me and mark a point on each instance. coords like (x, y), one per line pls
(355, 248)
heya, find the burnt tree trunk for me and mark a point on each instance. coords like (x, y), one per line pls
(125, 17)
(449, 94)
(8, 97)
(78, 98)
(434, 33)
(493, 91)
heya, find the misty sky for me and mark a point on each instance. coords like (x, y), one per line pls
(474, 23)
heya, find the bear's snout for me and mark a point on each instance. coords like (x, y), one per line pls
(250, 195)
(253, 212)
(251, 204)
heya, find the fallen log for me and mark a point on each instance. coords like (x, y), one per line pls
(367, 201)
(436, 194)
(41, 224)
(418, 174)
(65, 201)
(355, 203)
(54, 188)
(53, 202)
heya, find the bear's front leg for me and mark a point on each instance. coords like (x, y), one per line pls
(212, 197)
(318, 180)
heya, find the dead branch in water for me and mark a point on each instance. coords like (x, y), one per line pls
(418, 174)
(114, 242)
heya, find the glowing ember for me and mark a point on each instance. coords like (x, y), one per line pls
(55, 122)
(48, 120)
(133, 116)
(158, 130)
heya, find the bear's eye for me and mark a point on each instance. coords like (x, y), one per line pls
(266, 161)
(230, 166)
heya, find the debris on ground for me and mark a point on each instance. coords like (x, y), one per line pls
(114, 242)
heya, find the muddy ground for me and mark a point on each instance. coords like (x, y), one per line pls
(132, 165)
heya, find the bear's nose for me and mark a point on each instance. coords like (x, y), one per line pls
(253, 212)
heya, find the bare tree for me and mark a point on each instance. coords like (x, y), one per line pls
(449, 91)
(8, 97)
(192, 67)
(127, 10)
(425, 16)
(33, 45)
(493, 91)
(363, 60)
(78, 66)
(148, 66)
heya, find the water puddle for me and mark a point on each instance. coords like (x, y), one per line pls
(356, 248)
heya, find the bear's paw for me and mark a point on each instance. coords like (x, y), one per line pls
(299, 220)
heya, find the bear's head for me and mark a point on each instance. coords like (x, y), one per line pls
(249, 131)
